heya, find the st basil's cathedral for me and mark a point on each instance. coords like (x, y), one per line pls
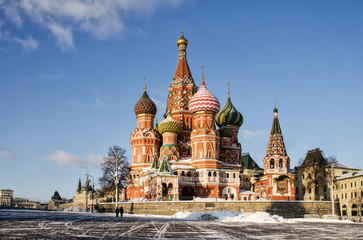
(185, 156)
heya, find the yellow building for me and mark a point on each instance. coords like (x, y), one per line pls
(348, 190)
(6, 197)
(313, 178)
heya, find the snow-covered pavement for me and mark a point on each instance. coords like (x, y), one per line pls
(217, 225)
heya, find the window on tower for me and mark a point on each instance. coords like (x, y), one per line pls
(281, 164)
(272, 163)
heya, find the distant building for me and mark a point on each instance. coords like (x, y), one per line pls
(314, 174)
(6, 197)
(84, 195)
(277, 183)
(348, 190)
(56, 201)
(19, 202)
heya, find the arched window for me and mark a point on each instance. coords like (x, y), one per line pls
(197, 174)
(281, 164)
(272, 163)
(189, 174)
(189, 151)
(227, 175)
(214, 174)
(183, 173)
(184, 149)
(209, 174)
(234, 175)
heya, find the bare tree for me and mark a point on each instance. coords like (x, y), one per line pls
(107, 181)
(315, 173)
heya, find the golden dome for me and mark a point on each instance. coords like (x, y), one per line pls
(182, 40)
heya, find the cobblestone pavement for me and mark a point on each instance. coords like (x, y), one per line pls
(61, 225)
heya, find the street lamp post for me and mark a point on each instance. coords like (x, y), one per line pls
(93, 187)
(116, 175)
(81, 166)
(332, 187)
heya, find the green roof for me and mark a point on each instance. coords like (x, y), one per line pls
(155, 164)
(249, 163)
(164, 167)
(276, 129)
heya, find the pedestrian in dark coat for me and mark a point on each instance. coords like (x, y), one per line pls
(121, 211)
(117, 211)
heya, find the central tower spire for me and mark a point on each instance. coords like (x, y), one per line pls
(181, 90)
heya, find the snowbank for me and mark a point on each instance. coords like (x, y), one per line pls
(74, 209)
(230, 216)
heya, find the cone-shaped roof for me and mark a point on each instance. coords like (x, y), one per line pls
(155, 163)
(79, 188)
(165, 166)
(276, 145)
(182, 73)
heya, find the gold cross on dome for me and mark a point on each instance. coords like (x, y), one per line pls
(202, 73)
(145, 83)
(275, 103)
(229, 88)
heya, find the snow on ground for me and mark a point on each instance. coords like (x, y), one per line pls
(230, 216)
(321, 220)
(74, 209)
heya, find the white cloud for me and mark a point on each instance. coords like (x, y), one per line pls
(12, 13)
(63, 36)
(29, 44)
(247, 134)
(66, 159)
(100, 18)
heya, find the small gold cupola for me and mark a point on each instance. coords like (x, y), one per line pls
(182, 40)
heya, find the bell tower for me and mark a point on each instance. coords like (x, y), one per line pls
(276, 160)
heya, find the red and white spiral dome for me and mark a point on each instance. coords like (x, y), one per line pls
(204, 100)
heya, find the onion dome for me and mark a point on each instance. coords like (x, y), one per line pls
(169, 125)
(225, 131)
(145, 105)
(203, 100)
(229, 115)
(182, 40)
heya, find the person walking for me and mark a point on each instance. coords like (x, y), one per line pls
(117, 211)
(121, 211)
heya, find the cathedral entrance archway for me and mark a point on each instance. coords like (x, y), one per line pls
(187, 193)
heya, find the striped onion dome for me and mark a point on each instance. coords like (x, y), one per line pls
(225, 131)
(204, 100)
(229, 115)
(145, 105)
(169, 125)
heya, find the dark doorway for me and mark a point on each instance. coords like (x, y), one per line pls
(187, 193)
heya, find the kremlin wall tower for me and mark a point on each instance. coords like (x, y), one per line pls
(187, 157)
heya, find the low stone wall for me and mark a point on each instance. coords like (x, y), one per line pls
(287, 209)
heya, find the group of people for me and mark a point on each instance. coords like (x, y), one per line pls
(119, 211)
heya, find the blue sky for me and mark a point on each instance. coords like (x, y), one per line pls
(72, 71)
